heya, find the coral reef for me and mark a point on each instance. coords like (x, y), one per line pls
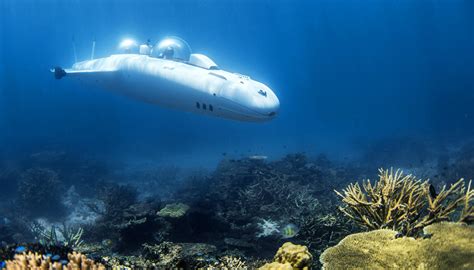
(155, 181)
(133, 226)
(82, 210)
(228, 263)
(36, 261)
(125, 220)
(232, 218)
(403, 203)
(241, 194)
(175, 256)
(39, 193)
(450, 246)
(228, 205)
(73, 168)
(180, 255)
(174, 210)
(291, 256)
(116, 198)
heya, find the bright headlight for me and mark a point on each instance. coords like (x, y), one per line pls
(128, 46)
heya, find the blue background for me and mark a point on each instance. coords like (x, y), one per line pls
(347, 73)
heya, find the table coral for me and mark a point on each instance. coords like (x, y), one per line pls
(450, 246)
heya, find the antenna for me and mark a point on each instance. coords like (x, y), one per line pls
(74, 49)
(93, 49)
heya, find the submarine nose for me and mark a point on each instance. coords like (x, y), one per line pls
(273, 106)
(269, 103)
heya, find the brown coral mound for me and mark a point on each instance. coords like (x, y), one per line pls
(276, 266)
(35, 261)
(404, 203)
(451, 246)
(291, 256)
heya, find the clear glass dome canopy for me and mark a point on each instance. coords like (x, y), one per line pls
(172, 48)
(128, 46)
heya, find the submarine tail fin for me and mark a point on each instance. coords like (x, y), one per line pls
(58, 72)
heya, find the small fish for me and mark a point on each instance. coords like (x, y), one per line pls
(256, 157)
(3, 265)
(289, 231)
(64, 262)
(56, 258)
(20, 249)
(107, 242)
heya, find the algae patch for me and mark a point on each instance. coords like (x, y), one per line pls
(174, 210)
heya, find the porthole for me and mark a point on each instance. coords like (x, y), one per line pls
(198, 105)
(211, 108)
(204, 106)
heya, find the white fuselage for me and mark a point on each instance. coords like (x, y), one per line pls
(181, 86)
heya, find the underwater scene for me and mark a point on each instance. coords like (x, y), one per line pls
(236, 134)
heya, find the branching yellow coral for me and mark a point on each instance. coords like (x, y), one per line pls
(440, 207)
(467, 214)
(397, 201)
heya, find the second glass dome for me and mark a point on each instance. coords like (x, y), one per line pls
(172, 47)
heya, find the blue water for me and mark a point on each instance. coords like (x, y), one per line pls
(347, 73)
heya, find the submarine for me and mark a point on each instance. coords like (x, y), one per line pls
(168, 74)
